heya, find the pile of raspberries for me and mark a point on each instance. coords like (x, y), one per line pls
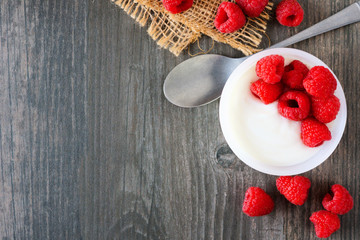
(231, 16)
(295, 189)
(303, 95)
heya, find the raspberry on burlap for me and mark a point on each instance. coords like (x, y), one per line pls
(177, 6)
(252, 8)
(229, 18)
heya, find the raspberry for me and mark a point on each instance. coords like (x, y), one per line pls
(270, 68)
(229, 17)
(177, 6)
(320, 82)
(325, 223)
(294, 105)
(295, 189)
(257, 202)
(267, 92)
(314, 133)
(325, 109)
(340, 203)
(294, 75)
(289, 13)
(252, 8)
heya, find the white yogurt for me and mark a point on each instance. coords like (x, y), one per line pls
(259, 135)
(261, 130)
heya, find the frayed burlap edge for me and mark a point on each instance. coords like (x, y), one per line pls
(161, 27)
(176, 31)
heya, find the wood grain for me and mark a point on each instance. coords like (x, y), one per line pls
(91, 149)
(42, 121)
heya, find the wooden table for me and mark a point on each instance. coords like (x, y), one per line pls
(91, 149)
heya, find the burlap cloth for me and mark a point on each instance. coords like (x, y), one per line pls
(177, 31)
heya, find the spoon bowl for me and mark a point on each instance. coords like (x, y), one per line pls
(200, 80)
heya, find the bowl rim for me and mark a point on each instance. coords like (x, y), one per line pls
(325, 150)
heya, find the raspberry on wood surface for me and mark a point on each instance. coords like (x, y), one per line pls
(257, 202)
(289, 13)
(326, 223)
(340, 202)
(295, 189)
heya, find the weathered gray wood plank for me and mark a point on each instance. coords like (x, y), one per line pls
(42, 120)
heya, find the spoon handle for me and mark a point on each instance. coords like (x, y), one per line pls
(348, 15)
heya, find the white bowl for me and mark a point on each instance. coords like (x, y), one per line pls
(227, 109)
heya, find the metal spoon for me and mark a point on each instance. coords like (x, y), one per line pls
(200, 80)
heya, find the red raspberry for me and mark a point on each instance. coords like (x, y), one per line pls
(267, 92)
(289, 13)
(325, 109)
(295, 189)
(252, 8)
(294, 75)
(325, 223)
(320, 82)
(229, 17)
(314, 133)
(257, 202)
(270, 68)
(294, 105)
(177, 6)
(340, 203)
